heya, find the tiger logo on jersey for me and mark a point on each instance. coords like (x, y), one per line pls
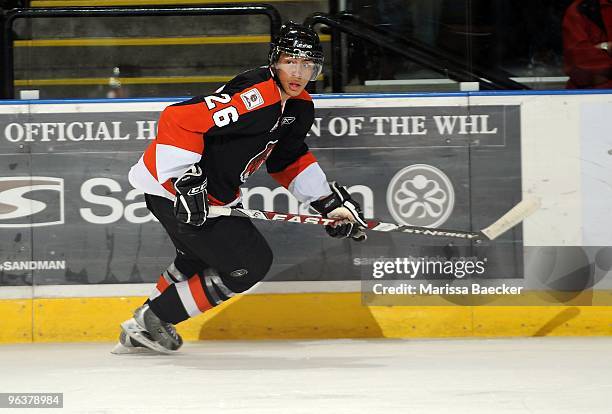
(256, 162)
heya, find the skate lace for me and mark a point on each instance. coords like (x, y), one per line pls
(171, 330)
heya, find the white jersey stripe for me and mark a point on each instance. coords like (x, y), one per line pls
(172, 161)
(141, 179)
(310, 184)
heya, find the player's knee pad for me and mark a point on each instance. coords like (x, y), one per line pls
(246, 275)
(214, 287)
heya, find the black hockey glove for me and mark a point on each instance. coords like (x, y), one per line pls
(191, 204)
(340, 205)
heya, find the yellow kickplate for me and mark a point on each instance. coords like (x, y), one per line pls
(299, 315)
(490, 321)
(81, 319)
(16, 320)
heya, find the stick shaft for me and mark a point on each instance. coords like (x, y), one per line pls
(372, 224)
(513, 217)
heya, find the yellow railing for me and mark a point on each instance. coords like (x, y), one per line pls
(103, 3)
(147, 41)
(145, 80)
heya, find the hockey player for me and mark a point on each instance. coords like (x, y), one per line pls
(205, 149)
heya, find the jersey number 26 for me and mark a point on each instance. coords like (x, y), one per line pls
(224, 116)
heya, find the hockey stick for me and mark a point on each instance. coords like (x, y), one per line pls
(513, 217)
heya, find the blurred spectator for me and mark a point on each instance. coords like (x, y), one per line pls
(587, 26)
(115, 88)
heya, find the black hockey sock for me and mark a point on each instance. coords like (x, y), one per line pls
(168, 306)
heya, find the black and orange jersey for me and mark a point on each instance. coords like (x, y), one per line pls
(231, 133)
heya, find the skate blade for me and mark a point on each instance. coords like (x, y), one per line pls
(133, 330)
(121, 349)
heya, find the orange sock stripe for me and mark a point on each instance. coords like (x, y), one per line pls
(162, 284)
(197, 291)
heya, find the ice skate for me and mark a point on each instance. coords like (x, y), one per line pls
(148, 330)
(127, 345)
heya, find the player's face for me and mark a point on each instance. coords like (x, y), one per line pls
(294, 73)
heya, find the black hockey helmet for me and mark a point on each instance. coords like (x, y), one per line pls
(298, 41)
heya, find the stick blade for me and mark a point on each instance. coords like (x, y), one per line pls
(514, 216)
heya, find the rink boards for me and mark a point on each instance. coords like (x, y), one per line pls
(79, 251)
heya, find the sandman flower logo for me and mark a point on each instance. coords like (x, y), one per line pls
(420, 195)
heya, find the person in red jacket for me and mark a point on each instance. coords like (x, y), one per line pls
(587, 34)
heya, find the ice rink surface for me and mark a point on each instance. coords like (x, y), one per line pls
(535, 375)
